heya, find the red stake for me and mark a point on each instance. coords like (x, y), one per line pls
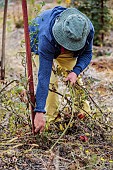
(29, 61)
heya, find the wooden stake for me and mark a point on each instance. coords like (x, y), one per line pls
(2, 63)
(29, 61)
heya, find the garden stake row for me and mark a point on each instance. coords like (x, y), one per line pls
(29, 61)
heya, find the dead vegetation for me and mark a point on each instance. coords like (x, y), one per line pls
(73, 141)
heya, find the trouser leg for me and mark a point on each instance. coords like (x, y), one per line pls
(52, 99)
(67, 62)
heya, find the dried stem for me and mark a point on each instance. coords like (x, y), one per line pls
(71, 118)
(8, 85)
(81, 109)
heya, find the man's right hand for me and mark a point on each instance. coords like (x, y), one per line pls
(72, 77)
(39, 122)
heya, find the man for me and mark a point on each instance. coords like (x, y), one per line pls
(65, 35)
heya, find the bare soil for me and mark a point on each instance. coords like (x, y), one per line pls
(98, 77)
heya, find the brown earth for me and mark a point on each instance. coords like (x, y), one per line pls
(99, 75)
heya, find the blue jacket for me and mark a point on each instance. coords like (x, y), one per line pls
(44, 44)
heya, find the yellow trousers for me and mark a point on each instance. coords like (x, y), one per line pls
(67, 62)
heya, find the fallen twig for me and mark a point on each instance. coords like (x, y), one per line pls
(8, 85)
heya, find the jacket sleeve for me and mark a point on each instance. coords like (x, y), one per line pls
(84, 59)
(44, 73)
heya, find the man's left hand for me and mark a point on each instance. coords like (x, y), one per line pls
(72, 77)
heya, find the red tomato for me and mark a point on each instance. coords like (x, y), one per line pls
(81, 116)
(83, 138)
